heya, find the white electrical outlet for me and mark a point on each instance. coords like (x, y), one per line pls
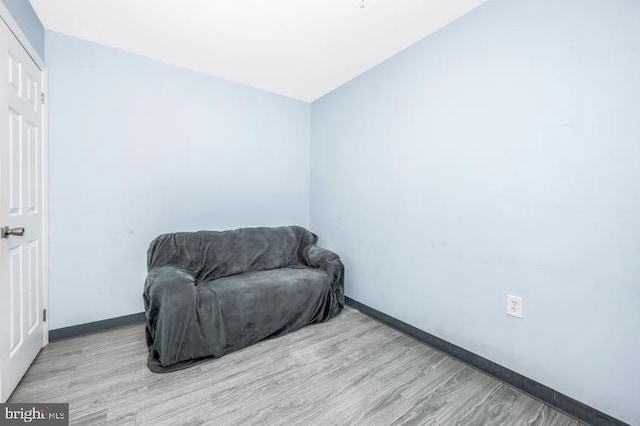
(514, 306)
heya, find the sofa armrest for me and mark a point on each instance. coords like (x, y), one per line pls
(326, 260)
(168, 282)
(318, 257)
(168, 292)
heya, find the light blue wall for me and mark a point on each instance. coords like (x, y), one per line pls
(501, 155)
(26, 17)
(138, 148)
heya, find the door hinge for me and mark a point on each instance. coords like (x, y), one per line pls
(42, 97)
(44, 315)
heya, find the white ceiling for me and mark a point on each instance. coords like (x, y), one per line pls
(298, 48)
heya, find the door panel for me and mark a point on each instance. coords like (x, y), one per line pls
(15, 165)
(15, 308)
(15, 73)
(33, 168)
(33, 302)
(21, 191)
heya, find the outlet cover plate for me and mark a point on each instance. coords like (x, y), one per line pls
(514, 306)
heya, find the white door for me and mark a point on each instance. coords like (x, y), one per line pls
(21, 206)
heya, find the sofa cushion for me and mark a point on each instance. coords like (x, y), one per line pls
(255, 305)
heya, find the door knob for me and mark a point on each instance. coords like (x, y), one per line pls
(6, 232)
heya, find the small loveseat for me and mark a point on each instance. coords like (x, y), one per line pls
(210, 293)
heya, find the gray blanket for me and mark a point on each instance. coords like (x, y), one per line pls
(210, 293)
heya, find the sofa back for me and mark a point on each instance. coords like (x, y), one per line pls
(211, 254)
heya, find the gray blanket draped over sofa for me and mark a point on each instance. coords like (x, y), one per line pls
(209, 293)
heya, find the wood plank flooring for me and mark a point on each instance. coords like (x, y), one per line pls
(350, 370)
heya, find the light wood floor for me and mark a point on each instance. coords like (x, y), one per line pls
(350, 370)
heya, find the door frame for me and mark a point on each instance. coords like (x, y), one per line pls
(6, 16)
